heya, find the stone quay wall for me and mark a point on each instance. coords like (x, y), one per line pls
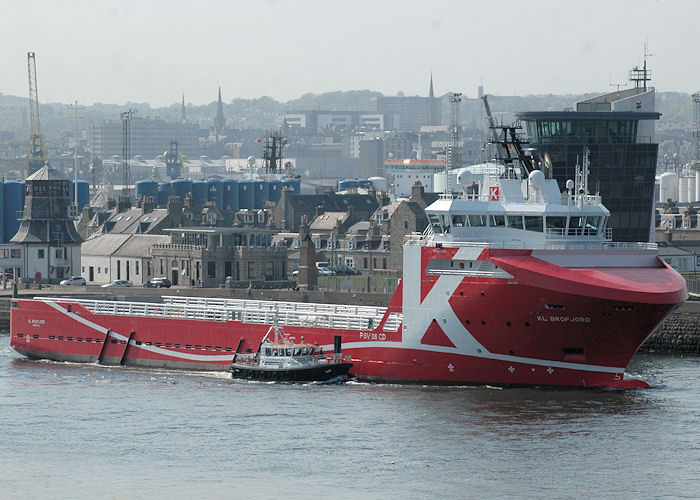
(677, 334)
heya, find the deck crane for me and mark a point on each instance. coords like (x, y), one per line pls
(509, 145)
(36, 154)
(494, 139)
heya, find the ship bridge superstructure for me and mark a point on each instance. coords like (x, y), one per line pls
(511, 211)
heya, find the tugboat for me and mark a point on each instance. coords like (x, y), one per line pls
(284, 360)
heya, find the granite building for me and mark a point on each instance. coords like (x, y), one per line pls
(49, 241)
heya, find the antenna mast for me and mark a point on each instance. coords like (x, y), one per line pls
(696, 130)
(73, 209)
(272, 152)
(36, 156)
(454, 157)
(640, 77)
(126, 148)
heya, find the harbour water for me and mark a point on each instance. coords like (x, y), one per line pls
(86, 431)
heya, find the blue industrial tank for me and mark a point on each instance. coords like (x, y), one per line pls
(199, 192)
(13, 202)
(261, 193)
(292, 185)
(144, 188)
(346, 184)
(163, 193)
(275, 191)
(2, 213)
(245, 195)
(230, 193)
(83, 193)
(215, 192)
(180, 187)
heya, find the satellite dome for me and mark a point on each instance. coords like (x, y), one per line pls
(569, 184)
(536, 179)
(465, 178)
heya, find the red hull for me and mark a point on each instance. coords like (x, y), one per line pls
(540, 326)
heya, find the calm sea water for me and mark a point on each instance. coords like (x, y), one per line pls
(85, 431)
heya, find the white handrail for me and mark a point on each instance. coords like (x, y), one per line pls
(346, 317)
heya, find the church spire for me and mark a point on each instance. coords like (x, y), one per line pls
(434, 113)
(183, 116)
(219, 121)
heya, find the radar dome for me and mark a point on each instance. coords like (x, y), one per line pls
(536, 178)
(465, 178)
(251, 160)
(569, 184)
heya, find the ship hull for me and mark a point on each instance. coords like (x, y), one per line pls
(506, 336)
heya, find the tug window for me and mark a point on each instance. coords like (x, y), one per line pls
(435, 222)
(458, 220)
(445, 219)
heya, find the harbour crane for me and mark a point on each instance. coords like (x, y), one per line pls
(36, 154)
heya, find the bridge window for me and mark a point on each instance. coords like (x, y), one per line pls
(458, 220)
(477, 220)
(498, 220)
(592, 224)
(515, 221)
(556, 223)
(575, 226)
(533, 223)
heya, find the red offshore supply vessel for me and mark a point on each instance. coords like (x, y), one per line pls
(512, 283)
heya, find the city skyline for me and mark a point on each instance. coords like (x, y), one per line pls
(96, 52)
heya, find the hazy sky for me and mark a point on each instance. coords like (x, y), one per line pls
(152, 50)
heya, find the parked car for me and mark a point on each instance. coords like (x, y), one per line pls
(73, 281)
(325, 271)
(346, 270)
(117, 283)
(158, 283)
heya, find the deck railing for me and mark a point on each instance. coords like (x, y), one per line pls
(246, 311)
(417, 239)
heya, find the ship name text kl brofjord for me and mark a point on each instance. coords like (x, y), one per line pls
(512, 283)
